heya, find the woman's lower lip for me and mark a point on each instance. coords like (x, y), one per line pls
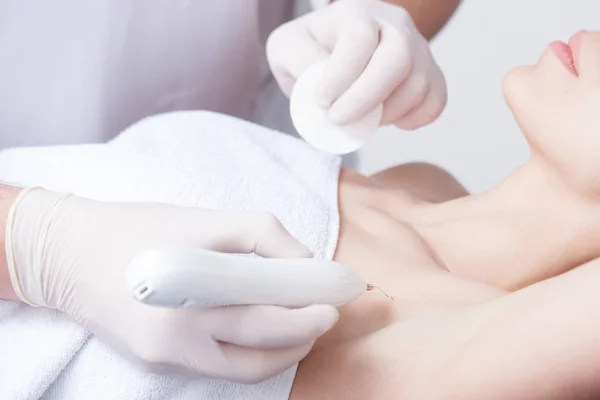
(563, 52)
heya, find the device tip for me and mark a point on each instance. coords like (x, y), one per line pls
(373, 287)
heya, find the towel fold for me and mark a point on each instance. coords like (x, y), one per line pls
(196, 159)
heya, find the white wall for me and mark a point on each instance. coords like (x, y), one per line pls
(476, 137)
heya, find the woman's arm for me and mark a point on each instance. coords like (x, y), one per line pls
(540, 343)
(7, 197)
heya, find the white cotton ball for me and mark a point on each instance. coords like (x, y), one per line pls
(313, 124)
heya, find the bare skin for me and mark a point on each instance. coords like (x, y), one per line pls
(430, 16)
(449, 260)
(389, 253)
(539, 343)
(8, 194)
(413, 231)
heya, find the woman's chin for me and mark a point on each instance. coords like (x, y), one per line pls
(516, 83)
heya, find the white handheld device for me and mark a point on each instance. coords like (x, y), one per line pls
(191, 277)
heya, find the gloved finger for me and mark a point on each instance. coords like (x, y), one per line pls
(256, 232)
(413, 91)
(429, 109)
(354, 47)
(291, 49)
(269, 327)
(405, 97)
(251, 366)
(389, 66)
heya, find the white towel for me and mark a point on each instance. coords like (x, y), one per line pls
(186, 158)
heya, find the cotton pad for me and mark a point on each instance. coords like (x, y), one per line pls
(313, 124)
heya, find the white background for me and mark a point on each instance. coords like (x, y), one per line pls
(476, 138)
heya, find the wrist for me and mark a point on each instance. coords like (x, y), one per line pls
(30, 253)
(8, 195)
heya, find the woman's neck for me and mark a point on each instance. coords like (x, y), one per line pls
(530, 227)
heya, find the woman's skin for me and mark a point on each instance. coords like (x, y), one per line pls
(539, 343)
(449, 260)
(388, 252)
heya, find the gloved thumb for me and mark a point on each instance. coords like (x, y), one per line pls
(258, 342)
(270, 327)
(256, 232)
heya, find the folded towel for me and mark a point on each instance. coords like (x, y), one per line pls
(188, 158)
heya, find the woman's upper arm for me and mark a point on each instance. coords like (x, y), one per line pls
(542, 342)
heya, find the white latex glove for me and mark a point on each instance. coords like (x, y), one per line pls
(70, 254)
(376, 56)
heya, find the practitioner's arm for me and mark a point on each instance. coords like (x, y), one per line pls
(71, 254)
(430, 16)
(7, 197)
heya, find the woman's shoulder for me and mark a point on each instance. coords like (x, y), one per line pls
(424, 180)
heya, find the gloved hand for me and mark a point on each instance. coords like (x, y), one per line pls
(376, 55)
(70, 253)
